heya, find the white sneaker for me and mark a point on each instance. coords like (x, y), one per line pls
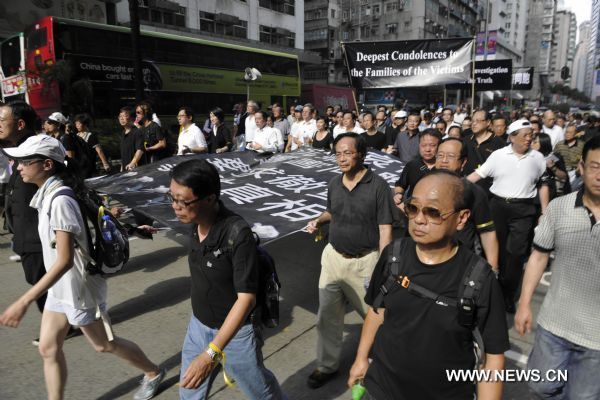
(15, 258)
(149, 387)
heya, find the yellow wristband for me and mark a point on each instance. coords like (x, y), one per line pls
(215, 348)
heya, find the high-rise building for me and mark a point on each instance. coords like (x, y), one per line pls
(538, 45)
(592, 78)
(580, 58)
(564, 45)
(509, 19)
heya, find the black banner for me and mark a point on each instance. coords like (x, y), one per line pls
(409, 63)
(522, 78)
(489, 75)
(276, 195)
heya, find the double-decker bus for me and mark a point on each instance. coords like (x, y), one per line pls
(81, 66)
(12, 68)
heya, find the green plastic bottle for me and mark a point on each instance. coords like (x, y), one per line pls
(358, 390)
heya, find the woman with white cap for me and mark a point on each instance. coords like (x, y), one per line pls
(55, 126)
(74, 296)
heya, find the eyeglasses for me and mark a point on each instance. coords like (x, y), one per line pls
(345, 154)
(27, 163)
(449, 157)
(478, 120)
(433, 215)
(181, 203)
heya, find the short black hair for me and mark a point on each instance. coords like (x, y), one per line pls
(220, 114)
(487, 115)
(129, 111)
(369, 113)
(431, 132)
(592, 144)
(499, 117)
(263, 113)
(455, 127)
(351, 113)
(199, 175)
(23, 111)
(447, 109)
(359, 142)
(84, 119)
(464, 150)
(441, 121)
(188, 111)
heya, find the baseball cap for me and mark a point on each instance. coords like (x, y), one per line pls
(57, 117)
(518, 124)
(299, 108)
(401, 114)
(39, 145)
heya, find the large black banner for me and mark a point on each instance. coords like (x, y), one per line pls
(409, 63)
(523, 78)
(276, 195)
(489, 75)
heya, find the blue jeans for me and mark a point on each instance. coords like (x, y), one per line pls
(552, 352)
(244, 362)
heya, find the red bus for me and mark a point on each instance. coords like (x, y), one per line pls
(77, 66)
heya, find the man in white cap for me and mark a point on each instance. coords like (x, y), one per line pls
(515, 171)
(55, 126)
(392, 131)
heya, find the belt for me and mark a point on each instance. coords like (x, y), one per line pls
(357, 255)
(513, 200)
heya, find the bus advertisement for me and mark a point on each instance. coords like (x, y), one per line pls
(79, 66)
(12, 68)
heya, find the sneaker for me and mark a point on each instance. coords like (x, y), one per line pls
(149, 387)
(318, 378)
(36, 341)
(15, 258)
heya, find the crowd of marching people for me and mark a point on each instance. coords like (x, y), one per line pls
(485, 201)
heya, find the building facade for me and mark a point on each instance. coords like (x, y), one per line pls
(580, 58)
(509, 19)
(564, 45)
(592, 78)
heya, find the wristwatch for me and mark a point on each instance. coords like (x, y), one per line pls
(214, 356)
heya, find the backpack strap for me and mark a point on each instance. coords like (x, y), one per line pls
(393, 269)
(234, 230)
(473, 278)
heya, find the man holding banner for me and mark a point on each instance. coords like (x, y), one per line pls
(359, 213)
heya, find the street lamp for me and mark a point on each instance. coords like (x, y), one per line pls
(250, 74)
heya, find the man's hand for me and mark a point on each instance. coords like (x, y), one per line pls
(358, 371)
(312, 226)
(256, 146)
(130, 166)
(523, 319)
(197, 371)
(14, 314)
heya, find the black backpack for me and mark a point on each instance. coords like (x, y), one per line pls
(267, 296)
(85, 156)
(105, 258)
(465, 304)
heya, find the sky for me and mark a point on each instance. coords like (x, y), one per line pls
(581, 8)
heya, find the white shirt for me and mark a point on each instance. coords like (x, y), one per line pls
(190, 137)
(557, 134)
(338, 130)
(250, 128)
(515, 177)
(303, 131)
(269, 138)
(76, 287)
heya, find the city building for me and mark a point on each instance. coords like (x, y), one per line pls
(563, 50)
(538, 46)
(580, 58)
(509, 19)
(592, 80)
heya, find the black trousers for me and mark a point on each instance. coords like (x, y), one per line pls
(514, 224)
(33, 266)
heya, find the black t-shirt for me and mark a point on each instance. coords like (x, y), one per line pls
(153, 133)
(130, 144)
(411, 174)
(478, 153)
(324, 143)
(376, 141)
(390, 135)
(217, 276)
(67, 142)
(420, 339)
(481, 217)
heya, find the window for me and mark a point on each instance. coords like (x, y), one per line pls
(223, 24)
(345, 35)
(162, 16)
(391, 28)
(316, 35)
(282, 6)
(393, 6)
(333, 13)
(507, 25)
(278, 36)
(376, 9)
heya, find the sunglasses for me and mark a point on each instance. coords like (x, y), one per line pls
(431, 214)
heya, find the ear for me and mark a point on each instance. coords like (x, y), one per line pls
(580, 168)
(463, 217)
(20, 125)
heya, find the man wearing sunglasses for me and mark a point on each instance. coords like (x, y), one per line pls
(359, 213)
(422, 339)
(516, 171)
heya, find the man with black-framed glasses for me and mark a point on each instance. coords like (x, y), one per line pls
(359, 213)
(409, 356)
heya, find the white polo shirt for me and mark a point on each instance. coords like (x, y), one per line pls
(250, 128)
(514, 176)
(190, 137)
(304, 131)
(269, 138)
(557, 134)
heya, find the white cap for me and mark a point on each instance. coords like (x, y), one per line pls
(57, 117)
(518, 124)
(39, 145)
(401, 114)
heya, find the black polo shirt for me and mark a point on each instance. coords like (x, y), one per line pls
(411, 174)
(130, 144)
(217, 275)
(376, 141)
(357, 214)
(479, 152)
(390, 135)
(481, 217)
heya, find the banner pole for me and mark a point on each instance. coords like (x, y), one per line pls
(473, 56)
(343, 45)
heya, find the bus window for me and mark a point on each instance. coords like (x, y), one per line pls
(37, 38)
(10, 55)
